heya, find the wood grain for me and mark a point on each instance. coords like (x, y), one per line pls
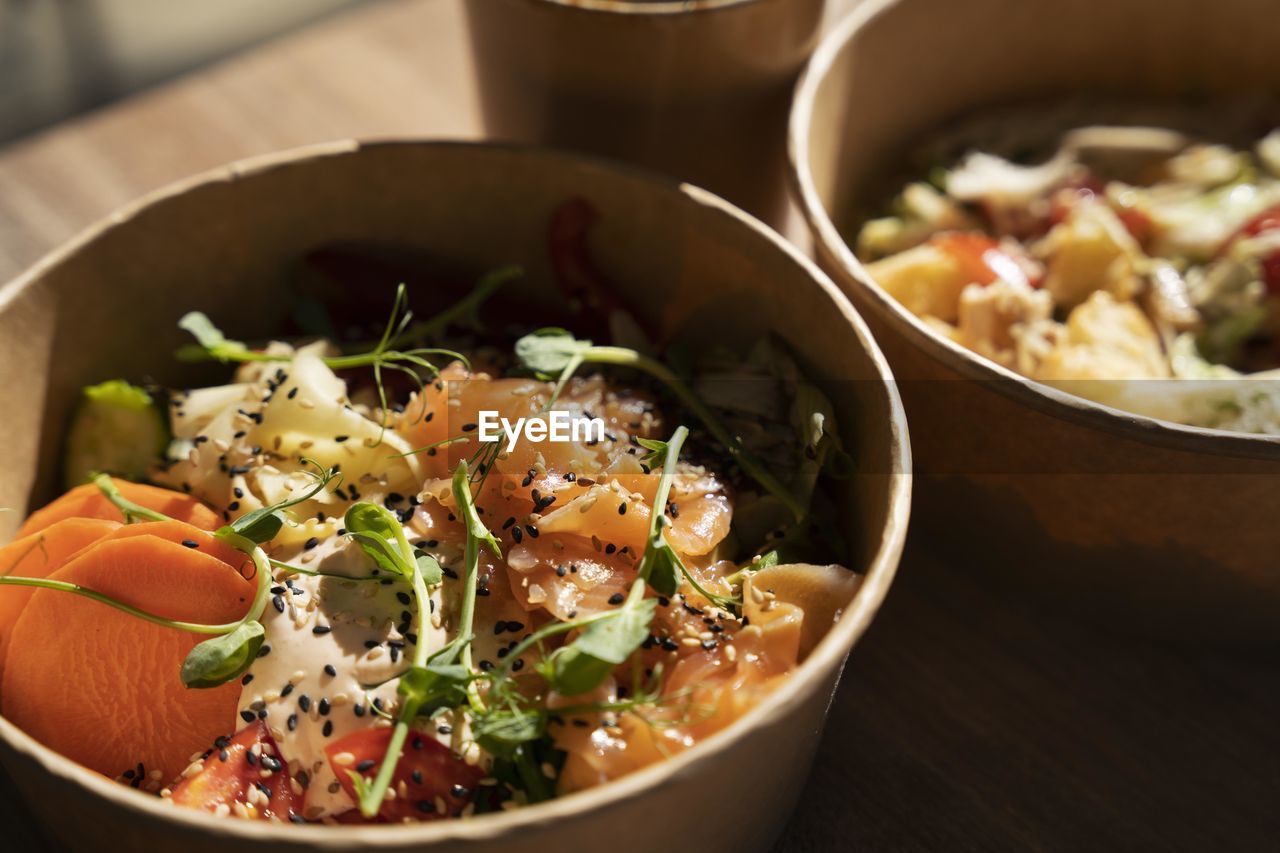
(968, 718)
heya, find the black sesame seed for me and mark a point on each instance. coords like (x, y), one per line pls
(329, 670)
(323, 707)
(403, 597)
(328, 728)
(321, 629)
(251, 759)
(340, 438)
(248, 676)
(311, 543)
(617, 598)
(190, 543)
(248, 716)
(304, 702)
(292, 722)
(366, 765)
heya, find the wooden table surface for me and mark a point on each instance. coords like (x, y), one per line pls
(966, 719)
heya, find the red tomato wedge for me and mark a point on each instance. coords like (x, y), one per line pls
(1267, 220)
(245, 773)
(427, 772)
(1087, 189)
(981, 258)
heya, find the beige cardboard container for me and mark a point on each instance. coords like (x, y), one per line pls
(1146, 524)
(696, 89)
(106, 305)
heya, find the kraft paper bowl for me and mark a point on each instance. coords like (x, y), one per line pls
(106, 305)
(1148, 525)
(697, 89)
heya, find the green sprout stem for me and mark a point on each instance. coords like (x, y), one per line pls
(624, 357)
(255, 611)
(371, 797)
(101, 598)
(132, 512)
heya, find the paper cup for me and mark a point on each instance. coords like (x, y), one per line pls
(698, 90)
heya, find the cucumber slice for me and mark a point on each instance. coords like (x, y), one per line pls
(117, 429)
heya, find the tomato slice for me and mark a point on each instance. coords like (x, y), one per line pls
(427, 772)
(1267, 220)
(980, 257)
(1088, 188)
(251, 782)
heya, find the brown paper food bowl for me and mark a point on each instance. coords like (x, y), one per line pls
(1146, 524)
(106, 305)
(698, 90)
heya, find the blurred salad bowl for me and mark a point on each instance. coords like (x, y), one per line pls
(1066, 249)
(692, 268)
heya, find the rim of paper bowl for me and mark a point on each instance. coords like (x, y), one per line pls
(642, 8)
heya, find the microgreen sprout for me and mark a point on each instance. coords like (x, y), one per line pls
(445, 678)
(555, 355)
(212, 344)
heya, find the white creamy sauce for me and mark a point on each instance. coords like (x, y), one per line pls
(364, 647)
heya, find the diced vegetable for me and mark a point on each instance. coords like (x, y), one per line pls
(429, 773)
(117, 429)
(245, 773)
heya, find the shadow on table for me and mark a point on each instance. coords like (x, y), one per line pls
(969, 718)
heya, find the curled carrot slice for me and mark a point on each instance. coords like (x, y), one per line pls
(87, 501)
(38, 556)
(103, 687)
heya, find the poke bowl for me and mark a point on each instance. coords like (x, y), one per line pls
(297, 594)
(1071, 433)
